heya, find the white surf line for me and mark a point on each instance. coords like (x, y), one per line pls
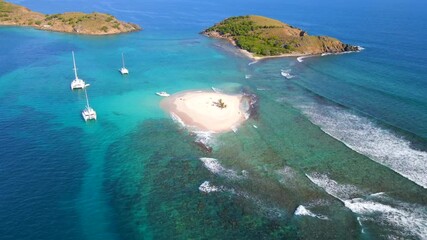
(303, 211)
(411, 218)
(215, 167)
(177, 119)
(207, 187)
(367, 138)
(271, 212)
(207, 138)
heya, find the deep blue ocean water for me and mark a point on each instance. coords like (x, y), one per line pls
(340, 151)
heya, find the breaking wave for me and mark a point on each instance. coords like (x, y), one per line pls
(366, 137)
(208, 188)
(399, 217)
(302, 211)
(215, 167)
(177, 119)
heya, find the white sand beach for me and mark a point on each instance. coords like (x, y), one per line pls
(200, 110)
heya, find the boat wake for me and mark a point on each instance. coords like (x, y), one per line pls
(301, 59)
(399, 217)
(366, 137)
(252, 63)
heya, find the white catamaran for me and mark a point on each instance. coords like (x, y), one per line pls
(88, 113)
(77, 82)
(123, 70)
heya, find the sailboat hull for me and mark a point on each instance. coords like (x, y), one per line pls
(124, 71)
(78, 84)
(89, 114)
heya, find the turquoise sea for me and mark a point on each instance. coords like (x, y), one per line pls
(339, 152)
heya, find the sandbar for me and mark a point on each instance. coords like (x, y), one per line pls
(200, 110)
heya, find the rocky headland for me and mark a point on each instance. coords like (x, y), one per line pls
(261, 37)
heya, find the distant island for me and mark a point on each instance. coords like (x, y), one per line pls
(261, 37)
(72, 22)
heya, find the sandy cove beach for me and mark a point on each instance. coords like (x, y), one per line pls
(200, 110)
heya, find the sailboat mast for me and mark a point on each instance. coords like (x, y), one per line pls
(123, 60)
(87, 100)
(75, 68)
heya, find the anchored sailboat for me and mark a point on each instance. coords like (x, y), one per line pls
(77, 82)
(123, 70)
(88, 113)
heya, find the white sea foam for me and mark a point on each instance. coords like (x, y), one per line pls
(340, 191)
(362, 135)
(177, 119)
(234, 129)
(360, 224)
(303, 211)
(207, 187)
(252, 63)
(247, 76)
(413, 220)
(287, 176)
(402, 218)
(267, 209)
(215, 167)
(270, 211)
(207, 138)
(246, 115)
(217, 90)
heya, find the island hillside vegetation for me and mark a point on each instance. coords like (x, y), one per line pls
(264, 36)
(72, 22)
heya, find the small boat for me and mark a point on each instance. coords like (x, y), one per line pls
(286, 74)
(77, 83)
(123, 70)
(163, 94)
(88, 113)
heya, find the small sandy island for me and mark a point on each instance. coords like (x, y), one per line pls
(207, 111)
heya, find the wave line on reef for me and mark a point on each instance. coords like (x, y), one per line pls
(378, 208)
(215, 167)
(368, 138)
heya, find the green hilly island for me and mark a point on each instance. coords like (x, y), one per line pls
(71, 22)
(265, 37)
